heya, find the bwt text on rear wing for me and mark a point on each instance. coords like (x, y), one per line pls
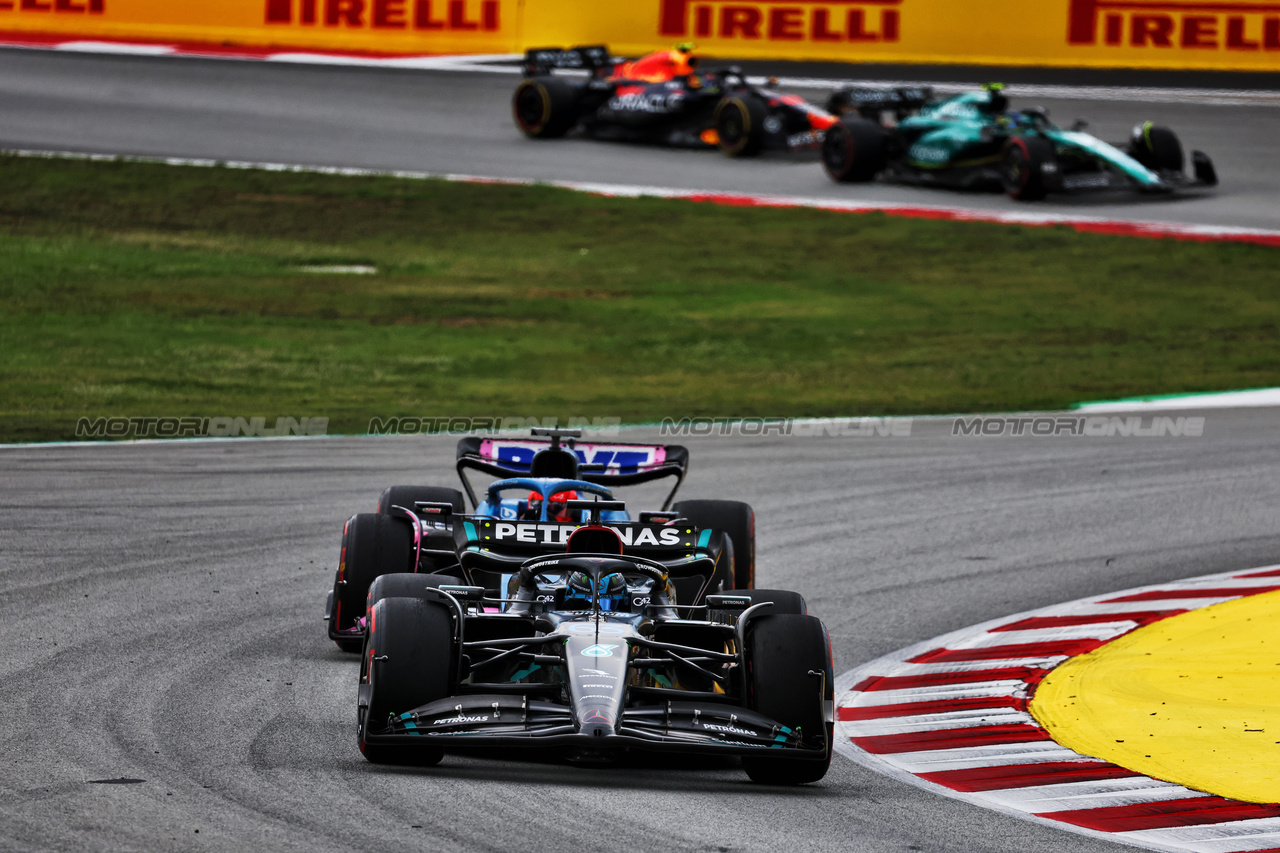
(603, 463)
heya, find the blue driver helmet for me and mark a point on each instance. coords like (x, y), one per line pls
(612, 590)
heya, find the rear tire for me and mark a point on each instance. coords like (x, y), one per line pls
(372, 545)
(545, 107)
(416, 637)
(740, 125)
(781, 652)
(406, 496)
(1156, 147)
(854, 150)
(738, 520)
(1024, 163)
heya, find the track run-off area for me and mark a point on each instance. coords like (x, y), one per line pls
(170, 685)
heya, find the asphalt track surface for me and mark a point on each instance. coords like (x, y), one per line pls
(445, 122)
(163, 607)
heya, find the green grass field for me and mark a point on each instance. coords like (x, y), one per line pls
(131, 289)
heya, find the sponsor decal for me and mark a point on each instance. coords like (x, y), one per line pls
(732, 730)
(928, 154)
(640, 601)
(600, 673)
(626, 459)
(629, 100)
(599, 650)
(813, 21)
(423, 15)
(1178, 26)
(459, 720)
(595, 696)
(539, 533)
(602, 686)
(807, 139)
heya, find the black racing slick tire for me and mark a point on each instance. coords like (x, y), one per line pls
(545, 107)
(784, 601)
(740, 125)
(1203, 167)
(854, 150)
(408, 661)
(1156, 147)
(1028, 167)
(404, 585)
(372, 545)
(738, 520)
(407, 496)
(790, 681)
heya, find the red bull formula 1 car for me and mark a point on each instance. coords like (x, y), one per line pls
(588, 651)
(416, 529)
(662, 98)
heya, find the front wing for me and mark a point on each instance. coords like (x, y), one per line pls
(488, 720)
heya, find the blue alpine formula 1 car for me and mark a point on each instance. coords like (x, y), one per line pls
(974, 141)
(420, 529)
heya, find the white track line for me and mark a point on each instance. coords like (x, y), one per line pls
(1127, 227)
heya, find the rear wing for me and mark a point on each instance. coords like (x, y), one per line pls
(542, 60)
(870, 103)
(607, 464)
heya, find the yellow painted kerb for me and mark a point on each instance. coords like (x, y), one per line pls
(1193, 699)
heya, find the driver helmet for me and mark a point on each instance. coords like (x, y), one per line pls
(611, 589)
(997, 101)
(557, 510)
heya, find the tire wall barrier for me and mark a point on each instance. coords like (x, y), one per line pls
(1188, 34)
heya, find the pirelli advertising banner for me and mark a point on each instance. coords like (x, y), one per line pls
(1204, 34)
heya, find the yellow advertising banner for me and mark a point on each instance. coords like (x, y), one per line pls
(1175, 34)
(375, 26)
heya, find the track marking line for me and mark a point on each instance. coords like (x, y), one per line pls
(962, 729)
(1082, 224)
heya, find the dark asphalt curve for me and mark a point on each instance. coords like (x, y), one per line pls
(162, 606)
(447, 122)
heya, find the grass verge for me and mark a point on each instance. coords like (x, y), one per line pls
(131, 289)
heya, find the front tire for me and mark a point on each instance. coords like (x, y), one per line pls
(740, 125)
(409, 661)
(854, 150)
(738, 520)
(545, 107)
(782, 651)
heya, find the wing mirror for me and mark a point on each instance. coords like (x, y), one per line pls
(1079, 125)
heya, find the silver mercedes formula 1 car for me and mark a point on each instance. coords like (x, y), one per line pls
(587, 651)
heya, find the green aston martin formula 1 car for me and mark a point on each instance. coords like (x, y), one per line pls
(974, 141)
